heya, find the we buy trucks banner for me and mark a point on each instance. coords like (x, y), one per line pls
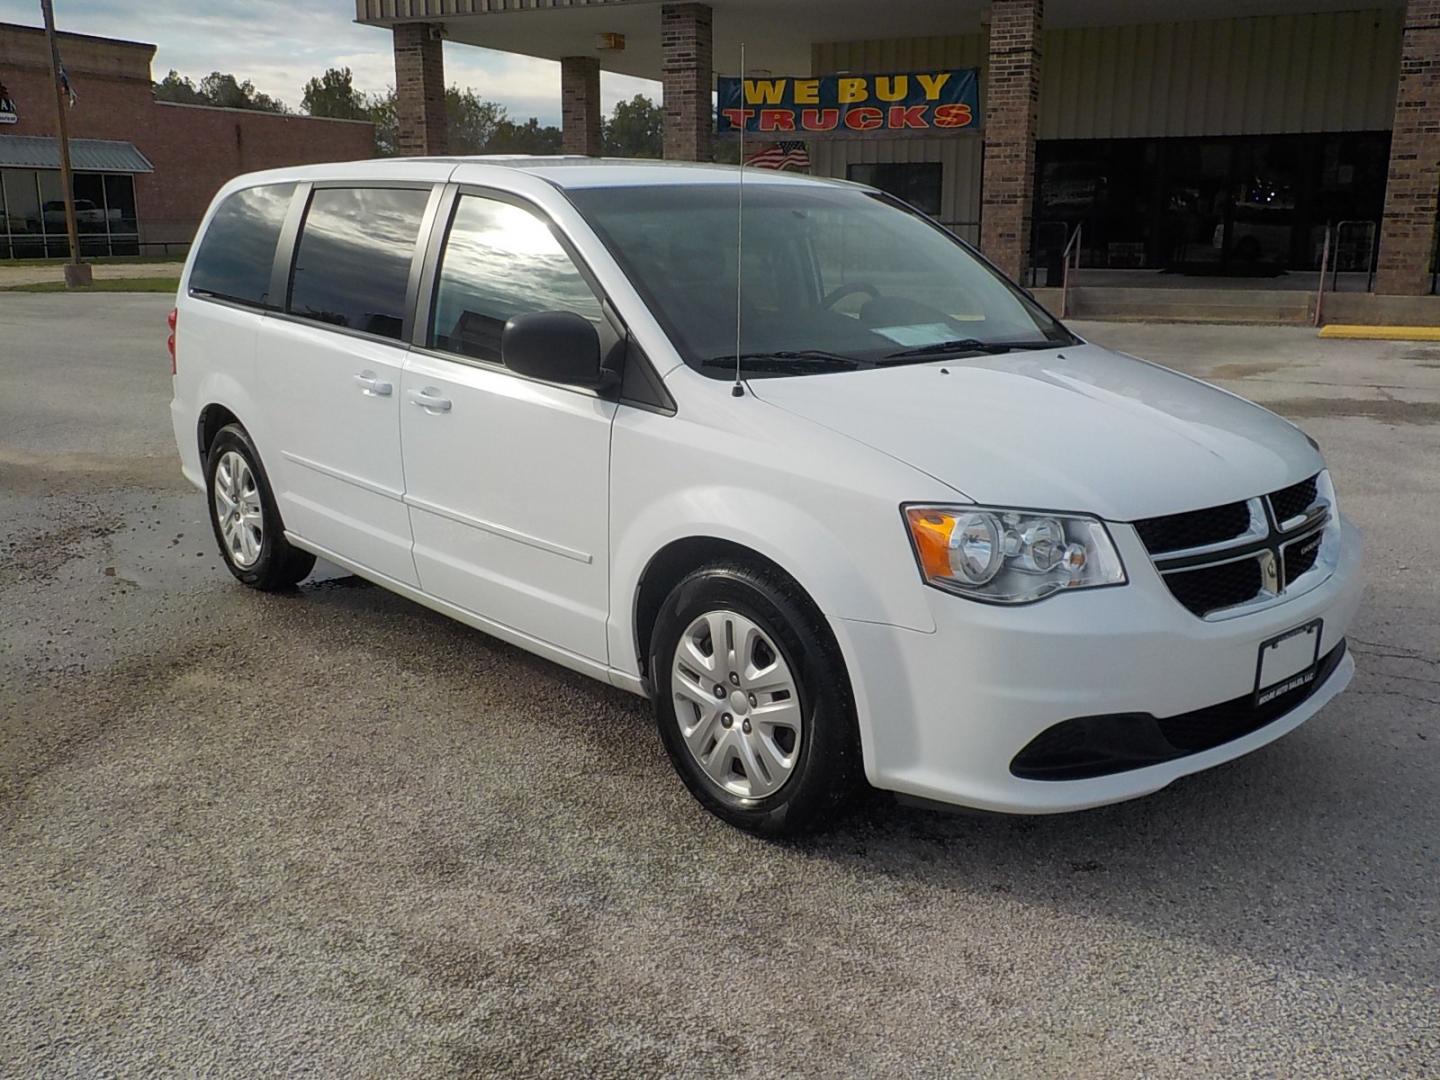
(913, 102)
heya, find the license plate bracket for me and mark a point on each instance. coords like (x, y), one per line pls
(1287, 662)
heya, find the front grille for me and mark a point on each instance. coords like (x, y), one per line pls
(1301, 556)
(1194, 528)
(1210, 588)
(1294, 500)
(1091, 746)
(1225, 556)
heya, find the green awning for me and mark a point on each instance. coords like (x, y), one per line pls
(86, 155)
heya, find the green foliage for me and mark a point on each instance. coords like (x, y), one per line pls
(526, 138)
(473, 121)
(635, 129)
(175, 87)
(220, 89)
(333, 94)
(134, 284)
(477, 126)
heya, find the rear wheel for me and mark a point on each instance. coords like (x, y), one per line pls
(752, 700)
(243, 514)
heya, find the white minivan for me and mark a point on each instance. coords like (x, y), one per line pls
(846, 504)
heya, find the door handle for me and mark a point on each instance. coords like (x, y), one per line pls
(373, 386)
(430, 400)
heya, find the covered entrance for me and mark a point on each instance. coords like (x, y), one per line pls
(1224, 141)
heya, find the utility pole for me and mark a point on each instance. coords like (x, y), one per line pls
(76, 272)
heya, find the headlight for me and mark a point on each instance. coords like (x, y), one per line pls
(1011, 556)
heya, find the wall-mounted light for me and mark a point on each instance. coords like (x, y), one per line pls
(610, 42)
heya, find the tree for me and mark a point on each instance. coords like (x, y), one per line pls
(219, 89)
(334, 94)
(224, 90)
(635, 129)
(526, 138)
(476, 126)
(473, 121)
(175, 87)
(380, 111)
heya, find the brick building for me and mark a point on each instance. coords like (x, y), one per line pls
(145, 170)
(1215, 138)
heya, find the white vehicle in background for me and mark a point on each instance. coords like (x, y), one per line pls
(916, 533)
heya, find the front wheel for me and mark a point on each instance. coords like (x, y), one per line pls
(244, 516)
(752, 700)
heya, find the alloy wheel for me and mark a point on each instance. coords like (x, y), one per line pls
(737, 704)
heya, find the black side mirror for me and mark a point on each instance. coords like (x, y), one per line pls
(557, 346)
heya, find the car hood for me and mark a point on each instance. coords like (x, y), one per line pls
(1080, 428)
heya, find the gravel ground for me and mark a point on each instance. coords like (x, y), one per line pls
(331, 833)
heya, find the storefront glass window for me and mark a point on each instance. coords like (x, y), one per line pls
(32, 214)
(1240, 206)
(919, 183)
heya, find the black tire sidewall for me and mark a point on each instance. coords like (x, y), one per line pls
(263, 573)
(825, 767)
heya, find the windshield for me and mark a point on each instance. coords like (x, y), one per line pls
(834, 279)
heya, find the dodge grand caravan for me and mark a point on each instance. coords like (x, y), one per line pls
(846, 504)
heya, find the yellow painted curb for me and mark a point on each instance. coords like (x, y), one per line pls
(1381, 333)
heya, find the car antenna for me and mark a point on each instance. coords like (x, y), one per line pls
(738, 390)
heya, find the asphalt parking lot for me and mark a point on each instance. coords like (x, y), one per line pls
(333, 833)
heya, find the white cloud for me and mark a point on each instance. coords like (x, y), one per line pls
(196, 38)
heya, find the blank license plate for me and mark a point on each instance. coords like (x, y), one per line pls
(1287, 663)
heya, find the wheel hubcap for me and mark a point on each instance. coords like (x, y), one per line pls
(737, 704)
(237, 508)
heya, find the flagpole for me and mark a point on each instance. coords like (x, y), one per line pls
(76, 273)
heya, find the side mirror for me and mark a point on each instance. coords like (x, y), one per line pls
(557, 346)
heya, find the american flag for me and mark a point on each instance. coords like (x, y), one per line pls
(780, 155)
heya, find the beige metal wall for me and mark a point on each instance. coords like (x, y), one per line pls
(1335, 71)
(959, 154)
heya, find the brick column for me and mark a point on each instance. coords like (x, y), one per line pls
(687, 45)
(1412, 192)
(1012, 101)
(580, 105)
(420, 89)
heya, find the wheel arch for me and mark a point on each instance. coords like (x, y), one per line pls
(671, 563)
(212, 418)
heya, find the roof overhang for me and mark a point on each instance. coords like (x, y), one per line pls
(778, 35)
(86, 155)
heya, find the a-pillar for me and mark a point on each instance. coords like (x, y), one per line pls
(1412, 192)
(1011, 119)
(420, 89)
(687, 71)
(580, 105)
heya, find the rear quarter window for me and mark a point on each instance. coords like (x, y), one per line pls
(237, 251)
(352, 263)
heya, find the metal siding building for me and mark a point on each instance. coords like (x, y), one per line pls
(1222, 138)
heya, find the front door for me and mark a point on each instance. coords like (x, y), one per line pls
(507, 478)
(329, 372)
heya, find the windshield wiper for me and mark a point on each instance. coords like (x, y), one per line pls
(801, 360)
(965, 345)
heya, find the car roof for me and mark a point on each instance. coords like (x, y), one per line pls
(563, 172)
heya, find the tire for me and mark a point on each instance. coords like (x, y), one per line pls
(266, 562)
(818, 735)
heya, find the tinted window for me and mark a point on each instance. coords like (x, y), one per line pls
(826, 269)
(501, 260)
(238, 248)
(353, 259)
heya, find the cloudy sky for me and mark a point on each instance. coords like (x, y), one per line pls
(279, 44)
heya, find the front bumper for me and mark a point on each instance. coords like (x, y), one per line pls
(944, 714)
